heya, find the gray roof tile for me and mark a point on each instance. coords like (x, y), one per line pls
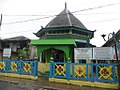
(65, 19)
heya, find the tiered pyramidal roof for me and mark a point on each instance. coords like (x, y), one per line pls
(64, 22)
(65, 19)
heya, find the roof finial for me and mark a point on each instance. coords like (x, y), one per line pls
(65, 5)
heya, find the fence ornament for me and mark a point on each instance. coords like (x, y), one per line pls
(80, 71)
(105, 72)
(2, 65)
(27, 67)
(14, 66)
(60, 70)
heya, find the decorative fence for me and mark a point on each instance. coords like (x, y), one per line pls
(20, 67)
(43, 69)
(87, 72)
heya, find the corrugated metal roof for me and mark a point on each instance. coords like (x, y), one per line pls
(18, 38)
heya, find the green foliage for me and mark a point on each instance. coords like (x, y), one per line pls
(23, 53)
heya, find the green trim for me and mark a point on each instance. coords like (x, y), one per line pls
(65, 36)
(54, 42)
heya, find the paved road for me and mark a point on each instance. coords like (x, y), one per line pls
(8, 83)
(8, 86)
(14, 86)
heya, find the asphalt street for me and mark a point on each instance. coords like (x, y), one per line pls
(14, 86)
(8, 83)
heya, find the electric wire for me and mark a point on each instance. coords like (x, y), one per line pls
(57, 15)
(98, 7)
(19, 32)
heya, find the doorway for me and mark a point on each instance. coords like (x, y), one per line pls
(58, 55)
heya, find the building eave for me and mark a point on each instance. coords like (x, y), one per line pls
(53, 42)
(63, 28)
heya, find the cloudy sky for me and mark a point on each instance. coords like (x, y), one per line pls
(23, 17)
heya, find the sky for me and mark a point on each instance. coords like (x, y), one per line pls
(25, 17)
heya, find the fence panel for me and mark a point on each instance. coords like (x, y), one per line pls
(90, 72)
(79, 71)
(29, 68)
(43, 69)
(3, 66)
(24, 67)
(106, 73)
(59, 70)
(13, 66)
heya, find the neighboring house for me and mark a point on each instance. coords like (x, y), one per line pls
(111, 41)
(114, 40)
(60, 36)
(15, 43)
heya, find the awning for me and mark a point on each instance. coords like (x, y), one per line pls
(53, 42)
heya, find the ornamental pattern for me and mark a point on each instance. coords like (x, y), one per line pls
(80, 71)
(60, 70)
(14, 66)
(27, 67)
(2, 65)
(105, 72)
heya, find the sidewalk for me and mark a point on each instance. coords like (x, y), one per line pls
(43, 84)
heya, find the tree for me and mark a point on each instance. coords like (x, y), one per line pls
(23, 53)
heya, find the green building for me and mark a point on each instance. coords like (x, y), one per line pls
(60, 36)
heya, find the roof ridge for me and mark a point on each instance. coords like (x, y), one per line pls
(68, 17)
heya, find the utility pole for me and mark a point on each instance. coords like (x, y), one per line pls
(116, 54)
(0, 25)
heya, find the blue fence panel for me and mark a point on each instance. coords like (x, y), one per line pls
(19, 67)
(29, 68)
(59, 70)
(13, 66)
(3, 66)
(79, 71)
(90, 72)
(105, 73)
